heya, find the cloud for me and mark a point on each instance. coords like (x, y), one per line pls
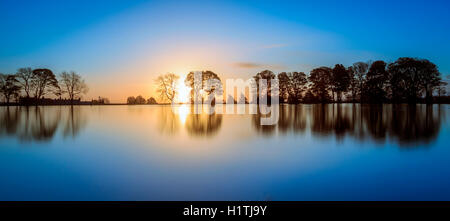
(257, 65)
(247, 65)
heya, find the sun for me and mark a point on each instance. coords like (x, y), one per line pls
(183, 91)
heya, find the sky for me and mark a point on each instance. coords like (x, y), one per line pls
(120, 47)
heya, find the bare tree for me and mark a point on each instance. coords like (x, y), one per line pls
(25, 78)
(73, 85)
(166, 86)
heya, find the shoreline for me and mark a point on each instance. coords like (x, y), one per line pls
(124, 104)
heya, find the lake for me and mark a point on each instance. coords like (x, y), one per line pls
(149, 152)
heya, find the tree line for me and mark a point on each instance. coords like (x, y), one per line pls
(407, 80)
(31, 86)
(141, 100)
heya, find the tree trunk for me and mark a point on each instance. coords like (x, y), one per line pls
(429, 95)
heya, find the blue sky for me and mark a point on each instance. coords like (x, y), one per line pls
(121, 46)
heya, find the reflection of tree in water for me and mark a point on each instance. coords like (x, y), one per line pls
(196, 124)
(300, 118)
(322, 119)
(75, 121)
(265, 129)
(168, 122)
(291, 117)
(42, 125)
(9, 120)
(408, 124)
(203, 124)
(415, 123)
(374, 120)
(39, 123)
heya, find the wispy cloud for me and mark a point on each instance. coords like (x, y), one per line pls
(248, 65)
(257, 65)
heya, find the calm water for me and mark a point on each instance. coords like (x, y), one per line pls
(315, 152)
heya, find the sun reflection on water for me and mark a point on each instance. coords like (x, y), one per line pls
(183, 112)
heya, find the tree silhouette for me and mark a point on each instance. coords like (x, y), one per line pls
(167, 86)
(441, 89)
(341, 80)
(264, 75)
(285, 86)
(309, 97)
(25, 77)
(320, 79)
(359, 71)
(292, 85)
(9, 87)
(409, 77)
(299, 82)
(430, 78)
(375, 85)
(131, 100)
(43, 81)
(72, 84)
(151, 100)
(140, 100)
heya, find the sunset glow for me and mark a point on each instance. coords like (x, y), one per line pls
(182, 90)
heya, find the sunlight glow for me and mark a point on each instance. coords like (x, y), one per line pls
(182, 90)
(183, 112)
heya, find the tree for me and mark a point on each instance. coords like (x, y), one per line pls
(353, 87)
(285, 85)
(410, 77)
(341, 80)
(359, 71)
(44, 80)
(442, 89)
(299, 82)
(206, 77)
(151, 100)
(430, 79)
(320, 79)
(375, 86)
(309, 97)
(167, 86)
(25, 77)
(264, 75)
(73, 85)
(58, 92)
(292, 85)
(9, 86)
(131, 100)
(140, 100)
(101, 100)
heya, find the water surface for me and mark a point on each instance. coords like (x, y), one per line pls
(314, 152)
